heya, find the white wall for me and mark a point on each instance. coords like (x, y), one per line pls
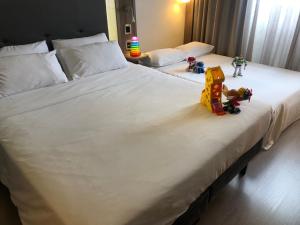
(160, 23)
(111, 19)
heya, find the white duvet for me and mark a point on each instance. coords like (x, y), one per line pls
(127, 147)
(279, 88)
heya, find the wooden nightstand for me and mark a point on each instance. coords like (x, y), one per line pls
(135, 60)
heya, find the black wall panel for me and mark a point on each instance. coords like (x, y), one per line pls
(25, 21)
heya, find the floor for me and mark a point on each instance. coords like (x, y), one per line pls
(269, 194)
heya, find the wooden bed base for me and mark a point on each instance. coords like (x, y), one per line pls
(193, 214)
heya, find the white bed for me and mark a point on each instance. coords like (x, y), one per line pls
(130, 146)
(279, 88)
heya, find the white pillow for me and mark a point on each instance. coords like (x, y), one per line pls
(75, 42)
(92, 59)
(195, 49)
(26, 72)
(38, 47)
(164, 57)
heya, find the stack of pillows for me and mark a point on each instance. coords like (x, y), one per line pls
(169, 56)
(32, 66)
(28, 67)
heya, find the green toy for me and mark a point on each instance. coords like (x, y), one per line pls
(238, 63)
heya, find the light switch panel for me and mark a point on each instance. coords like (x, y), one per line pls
(127, 29)
(128, 44)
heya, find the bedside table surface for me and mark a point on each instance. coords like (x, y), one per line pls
(130, 58)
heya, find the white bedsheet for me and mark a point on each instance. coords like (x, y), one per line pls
(279, 88)
(127, 147)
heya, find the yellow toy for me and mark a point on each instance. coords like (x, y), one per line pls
(212, 94)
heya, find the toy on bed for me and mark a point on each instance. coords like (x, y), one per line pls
(212, 94)
(234, 97)
(238, 63)
(194, 66)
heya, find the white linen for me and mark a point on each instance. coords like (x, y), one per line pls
(26, 72)
(34, 48)
(195, 49)
(126, 147)
(279, 88)
(76, 42)
(164, 57)
(91, 59)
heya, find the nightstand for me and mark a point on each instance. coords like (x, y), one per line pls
(135, 60)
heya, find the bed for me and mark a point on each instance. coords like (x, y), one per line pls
(124, 147)
(278, 88)
(107, 150)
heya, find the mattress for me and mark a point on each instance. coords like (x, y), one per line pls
(278, 88)
(127, 147)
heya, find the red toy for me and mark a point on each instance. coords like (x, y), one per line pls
(192, 63)
(234, 97)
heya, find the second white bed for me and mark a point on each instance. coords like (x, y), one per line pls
(278, 88)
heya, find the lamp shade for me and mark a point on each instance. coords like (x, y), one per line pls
(135, 50)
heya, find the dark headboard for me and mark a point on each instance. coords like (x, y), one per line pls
(26, 21)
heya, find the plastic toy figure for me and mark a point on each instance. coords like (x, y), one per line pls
(192, 63)
(199, 67)
(231, 106)
(234, 97)
(194, 66)
(238, 63)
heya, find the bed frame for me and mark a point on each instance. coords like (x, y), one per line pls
(29, 21)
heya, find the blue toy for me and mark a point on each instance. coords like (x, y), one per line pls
(199, 68)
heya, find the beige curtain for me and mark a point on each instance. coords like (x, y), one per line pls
(263, 33)
(217, 22)
(271, 33)
(293, 61)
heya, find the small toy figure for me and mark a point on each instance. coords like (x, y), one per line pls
(199, 68)
(238, 63)
(194, 66)
(231, 106)
(212, 94)
(192, 63)
(234, 97)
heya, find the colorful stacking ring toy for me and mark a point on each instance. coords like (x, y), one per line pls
(135, 50)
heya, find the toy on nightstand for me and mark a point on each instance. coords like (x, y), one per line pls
(234, 97)
(135, 50)
(212, 94)
(194, 66)
(238, 63)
